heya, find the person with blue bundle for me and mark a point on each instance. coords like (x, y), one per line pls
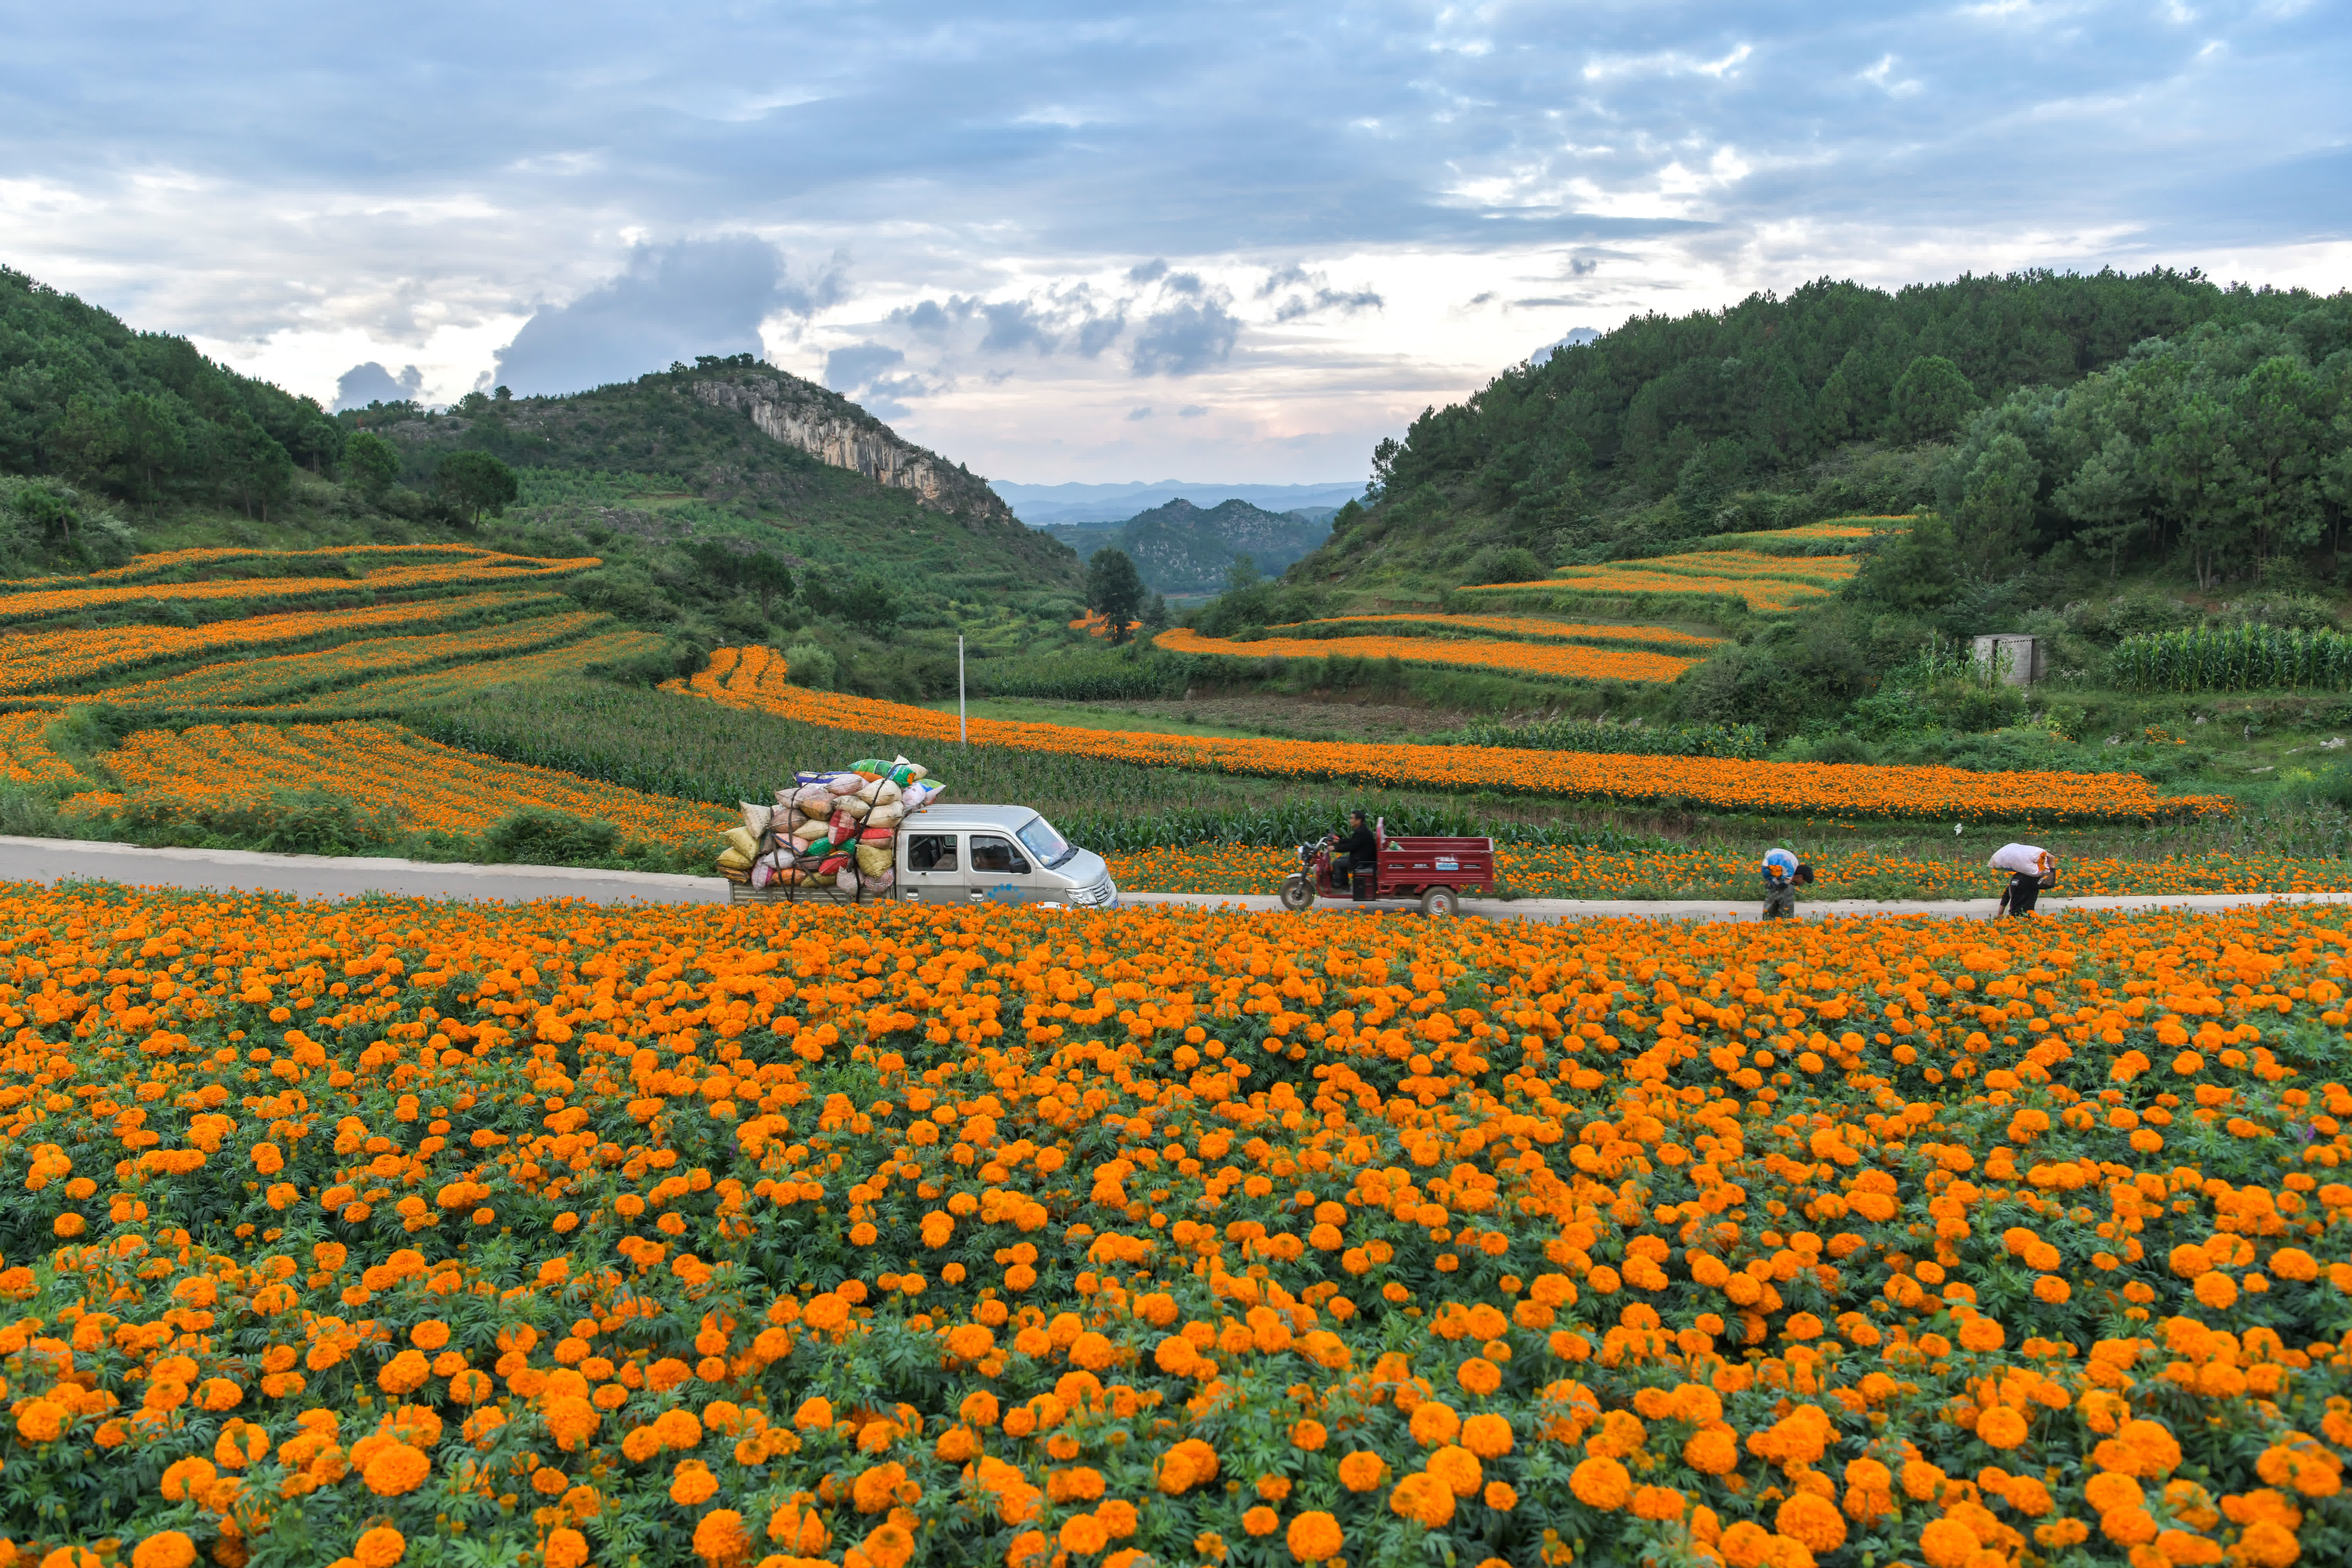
(1784, 874)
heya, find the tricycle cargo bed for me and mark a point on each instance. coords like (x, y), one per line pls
(1437, 862)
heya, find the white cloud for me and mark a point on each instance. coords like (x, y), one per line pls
(1437, 191)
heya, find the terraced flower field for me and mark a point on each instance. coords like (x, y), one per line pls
(1550, 660)
(1766, 583)
(37, 600)
(412, 1232)
(428, 786)
(249, 682)
(68, 660)
(754, 677)
(1772, 573)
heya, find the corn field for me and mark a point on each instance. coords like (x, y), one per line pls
(2233, 658)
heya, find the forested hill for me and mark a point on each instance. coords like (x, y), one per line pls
(1835, 398)
(142, 415)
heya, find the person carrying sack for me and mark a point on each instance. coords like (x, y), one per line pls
(2031, 869)
(1784, 874)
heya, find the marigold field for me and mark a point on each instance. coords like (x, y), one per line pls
(754, 677)
(425, 1234)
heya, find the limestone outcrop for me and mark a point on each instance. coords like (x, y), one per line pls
(835, 431)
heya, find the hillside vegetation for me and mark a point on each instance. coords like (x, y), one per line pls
(710, 528)
(1840, 399)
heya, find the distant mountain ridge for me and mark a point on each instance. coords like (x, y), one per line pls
(1181, 548)
(1042, 505)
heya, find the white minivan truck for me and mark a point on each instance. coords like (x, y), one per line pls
(995, 854)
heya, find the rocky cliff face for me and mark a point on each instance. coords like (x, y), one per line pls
(834, 430)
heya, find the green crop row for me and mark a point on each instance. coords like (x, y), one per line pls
(1747, 742)
(2233, 658)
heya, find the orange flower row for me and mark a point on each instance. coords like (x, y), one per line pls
(264, 680)
(1565, 661)
(477, 567)
(1529, 626)
(220, 557)
(754, 677)
(51, 660)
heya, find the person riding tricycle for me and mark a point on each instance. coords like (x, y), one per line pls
(1366, 865)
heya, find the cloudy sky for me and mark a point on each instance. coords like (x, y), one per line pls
(1101, 241)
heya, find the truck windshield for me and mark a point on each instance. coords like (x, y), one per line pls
(1050, 848)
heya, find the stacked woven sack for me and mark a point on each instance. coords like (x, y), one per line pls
(837, 830)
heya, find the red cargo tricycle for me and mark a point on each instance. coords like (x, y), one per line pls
(1436, 871)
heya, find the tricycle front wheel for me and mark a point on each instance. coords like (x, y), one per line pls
(1296, 895)
(1437, 901)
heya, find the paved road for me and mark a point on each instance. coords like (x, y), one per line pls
(50, 860)
(1753, 909)
(340, 877)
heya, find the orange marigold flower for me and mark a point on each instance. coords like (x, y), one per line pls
(1654, 1502)
(2154, 1449)
(1458, 1468)
(721, 1537)
(1084, 1534)
(2266, 1543)
(1261, 1521)
(1362, 1470)
(891, 1544)
(1601, 1483)
(380, 1548)
(1188, 1464)
(2000, 1426)
(1947, 1544)
(42, 1421)
(1314, 1537)
(692, 1484)
(1434, 1424)
(1812, 1519)
(565, 1548)
(1712, 1451)
(1479, 1375)
(164, 1549)
(397, 1469)
(2295, 1263)
(1981, 1334)
(1423, 1497)
(1308, 1436)
(877, 1487)
(1487, 1436)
